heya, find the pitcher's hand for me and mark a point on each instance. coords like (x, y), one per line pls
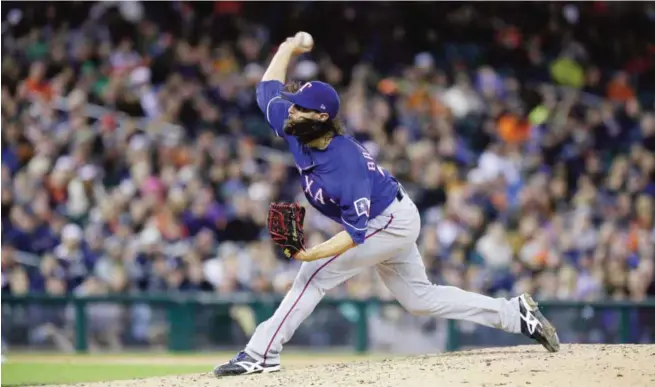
(296, 44)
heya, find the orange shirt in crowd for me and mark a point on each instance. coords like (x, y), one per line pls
(38, 88)
(418, 100)
(168, 226)
(513, 130)
(619, 91)
(421, 100)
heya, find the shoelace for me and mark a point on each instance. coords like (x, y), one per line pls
(239, 357)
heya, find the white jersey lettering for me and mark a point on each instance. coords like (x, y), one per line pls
(319, 196)
(308, 185)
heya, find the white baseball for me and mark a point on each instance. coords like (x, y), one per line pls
(305, 40)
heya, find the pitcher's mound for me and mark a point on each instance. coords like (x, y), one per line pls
(525, 366)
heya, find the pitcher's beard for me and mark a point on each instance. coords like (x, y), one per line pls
(289, 127)
(305, 130)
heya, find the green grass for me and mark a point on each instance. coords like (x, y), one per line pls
(33, 373)
(38, 368)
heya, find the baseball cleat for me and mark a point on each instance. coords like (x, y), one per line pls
(535, 325)
(244, 364)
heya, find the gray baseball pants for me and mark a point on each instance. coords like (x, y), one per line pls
(391, 248)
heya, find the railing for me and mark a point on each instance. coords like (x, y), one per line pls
(181, 310)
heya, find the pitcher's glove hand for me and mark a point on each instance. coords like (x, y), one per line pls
(285, 224)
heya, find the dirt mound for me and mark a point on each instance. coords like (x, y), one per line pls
(532, 366)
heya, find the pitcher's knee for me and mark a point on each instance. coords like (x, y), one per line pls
(306, 274)
(417, 307)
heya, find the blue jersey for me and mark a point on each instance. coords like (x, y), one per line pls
(342, 181)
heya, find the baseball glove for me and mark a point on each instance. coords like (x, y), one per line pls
(285, 224)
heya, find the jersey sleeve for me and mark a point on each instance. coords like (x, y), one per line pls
(355, 201)
(274, 107)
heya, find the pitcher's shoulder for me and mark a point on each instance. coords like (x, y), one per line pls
(348, 143)
(347, 149)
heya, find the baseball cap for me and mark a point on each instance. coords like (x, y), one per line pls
(316, 95)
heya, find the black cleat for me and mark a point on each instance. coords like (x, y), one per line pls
(535, 325)
(243, 364)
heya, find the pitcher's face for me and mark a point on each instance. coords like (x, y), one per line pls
(298, 113)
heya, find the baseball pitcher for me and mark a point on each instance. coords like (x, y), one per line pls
(381, 225)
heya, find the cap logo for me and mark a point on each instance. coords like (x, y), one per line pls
(323, 107)
(306, 85)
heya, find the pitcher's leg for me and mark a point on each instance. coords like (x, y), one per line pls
(262, 354)
(309, 287)
(305, 293)
(405, 277)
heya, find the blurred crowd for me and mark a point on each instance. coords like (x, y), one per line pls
(135, 159)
